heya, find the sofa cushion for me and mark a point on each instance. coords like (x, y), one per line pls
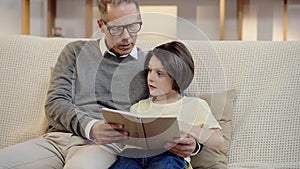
(221, 105)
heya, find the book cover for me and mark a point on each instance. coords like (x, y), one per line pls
(145, 131)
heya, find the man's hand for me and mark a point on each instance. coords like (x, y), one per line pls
(106, 133)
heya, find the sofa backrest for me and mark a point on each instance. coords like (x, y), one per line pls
(266, 117)
(25, 72)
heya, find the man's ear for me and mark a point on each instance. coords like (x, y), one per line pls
(100, 24)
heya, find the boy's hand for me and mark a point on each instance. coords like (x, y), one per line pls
(184, 147)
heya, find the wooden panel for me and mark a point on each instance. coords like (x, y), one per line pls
(89, 18)
(285, 18)
(240, 18)
(222, 6)
(51, 16)
(26, 17)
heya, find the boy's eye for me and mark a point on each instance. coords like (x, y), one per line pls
(160, 73)
(157, 72)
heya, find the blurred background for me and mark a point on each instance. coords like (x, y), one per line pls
(247, 20)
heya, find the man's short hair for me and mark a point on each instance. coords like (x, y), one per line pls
(102, 6)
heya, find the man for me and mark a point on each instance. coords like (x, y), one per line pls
(87, 76)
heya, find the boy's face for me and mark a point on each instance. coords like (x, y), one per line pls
(159, 81)
(123, 14)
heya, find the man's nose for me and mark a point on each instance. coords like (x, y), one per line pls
(125, 34)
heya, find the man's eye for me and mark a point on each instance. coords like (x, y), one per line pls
(116, 28)
(134, 27)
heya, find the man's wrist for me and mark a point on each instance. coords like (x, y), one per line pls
(197, 149)
(88, 130)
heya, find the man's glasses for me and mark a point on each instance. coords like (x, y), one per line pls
(118, 30)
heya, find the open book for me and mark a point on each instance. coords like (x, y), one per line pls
(144, 131)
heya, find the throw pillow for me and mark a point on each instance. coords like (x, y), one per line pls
(221, 105)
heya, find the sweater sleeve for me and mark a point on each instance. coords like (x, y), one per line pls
(61, 112)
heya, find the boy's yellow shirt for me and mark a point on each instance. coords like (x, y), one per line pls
(190, 110)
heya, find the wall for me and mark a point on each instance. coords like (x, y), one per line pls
(70, 16)
(10, 19)
(294, 20)
(261, 20)
(38, 17)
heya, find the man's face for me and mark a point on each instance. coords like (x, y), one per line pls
(124, 14)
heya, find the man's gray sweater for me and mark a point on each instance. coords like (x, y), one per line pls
(84, 80)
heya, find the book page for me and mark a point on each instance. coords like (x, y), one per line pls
(145, 132)
(159, 131)
(131, 123)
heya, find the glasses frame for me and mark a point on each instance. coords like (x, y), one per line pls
(123, 27)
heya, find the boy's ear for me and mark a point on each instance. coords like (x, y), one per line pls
(175, 85)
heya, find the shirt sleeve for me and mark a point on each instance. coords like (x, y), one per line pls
(209, 120)
(89, 128)
(198, 149)
(134, 107)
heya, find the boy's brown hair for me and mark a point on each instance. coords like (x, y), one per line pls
(177, 61)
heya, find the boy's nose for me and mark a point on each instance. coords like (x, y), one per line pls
(150, 76)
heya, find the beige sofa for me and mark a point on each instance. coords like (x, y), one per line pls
(263, 131)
